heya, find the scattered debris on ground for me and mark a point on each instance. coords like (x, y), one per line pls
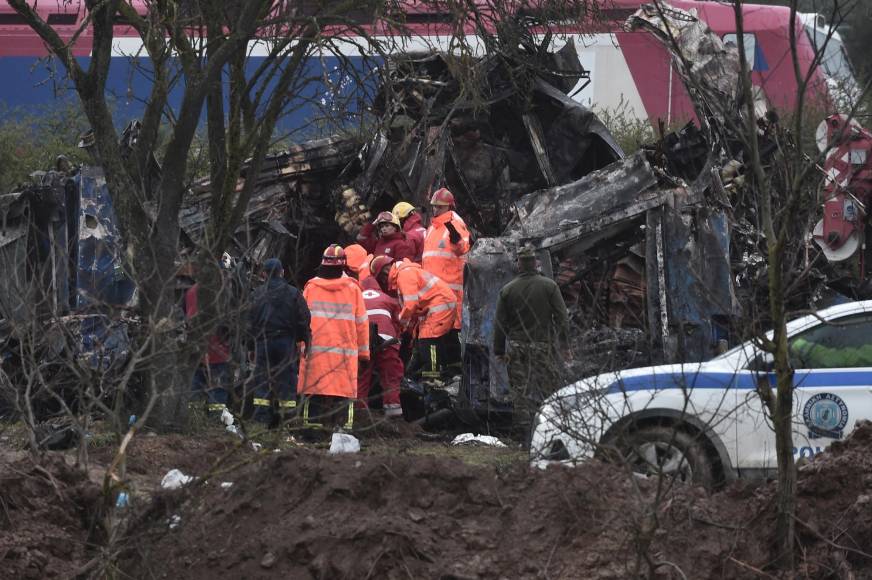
(403, 508)
(394, 514)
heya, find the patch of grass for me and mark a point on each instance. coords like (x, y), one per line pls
(13, 435)
(500, 458)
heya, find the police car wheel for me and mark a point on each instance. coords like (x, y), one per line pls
(665, 450)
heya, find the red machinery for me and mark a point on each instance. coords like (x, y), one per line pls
(848, 188)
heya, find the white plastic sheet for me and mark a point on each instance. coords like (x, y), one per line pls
(174, 479)
(344, 443)
(469, 438)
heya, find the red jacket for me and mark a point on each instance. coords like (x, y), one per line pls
(218, 351)
(397, 245)
(415, 232)
(383, 310)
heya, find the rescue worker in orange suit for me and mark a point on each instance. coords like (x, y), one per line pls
(445, 247)
(427, 302)
(340, 338)
(410, 220)
(357, 260)
(384, 237)
(383, 311)
(278, 320)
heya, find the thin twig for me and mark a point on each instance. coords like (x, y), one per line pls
(372, 568)
(715, 524)
(674, 566)
(550, 557)
(830, 542)
(51, 480)
(753, 569)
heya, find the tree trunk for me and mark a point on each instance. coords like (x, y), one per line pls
(782, 413)
(786, 501)
(161, 317)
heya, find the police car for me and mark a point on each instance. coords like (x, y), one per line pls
(705, 422)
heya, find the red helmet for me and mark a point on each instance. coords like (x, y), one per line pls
(442, 197)
(334, 255)
(379, 263)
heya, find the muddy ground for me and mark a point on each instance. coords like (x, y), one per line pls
(405, 508)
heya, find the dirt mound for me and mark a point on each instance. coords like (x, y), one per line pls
(731, 534)
(834, 507)
(304, 514)
(155, 455)
(48, 519)
(307, 515)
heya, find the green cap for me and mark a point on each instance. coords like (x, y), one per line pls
(526, 251)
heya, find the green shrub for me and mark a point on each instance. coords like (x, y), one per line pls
(32, 140)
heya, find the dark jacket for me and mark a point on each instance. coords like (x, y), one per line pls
(278, 309)
(530, 309)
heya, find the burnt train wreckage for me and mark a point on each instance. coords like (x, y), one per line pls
(641, 245)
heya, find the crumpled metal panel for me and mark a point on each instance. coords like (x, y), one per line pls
(699, 287)
(489, 266)
(100, 277)
(15, 292)
(706, 65)
(565, 212)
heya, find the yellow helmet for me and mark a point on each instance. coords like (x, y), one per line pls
(403, 209)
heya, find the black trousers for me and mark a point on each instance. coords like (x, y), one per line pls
(435, 358)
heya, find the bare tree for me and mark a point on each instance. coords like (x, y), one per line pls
(781, 187)
(200, 49)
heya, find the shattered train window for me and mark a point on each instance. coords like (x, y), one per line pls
(753, 53)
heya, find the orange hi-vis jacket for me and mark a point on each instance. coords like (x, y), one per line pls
(340, 336)
(426, 299)
(358, 260)
(444, 259)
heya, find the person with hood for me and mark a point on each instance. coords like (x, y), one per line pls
(357, 260)
(384, 237)
(428, 304)
(212, 379)
(278, 321)
(340, 338)
(410, 220)
(383, 311)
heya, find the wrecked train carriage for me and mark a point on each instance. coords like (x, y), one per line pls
(64, 294)
(488, 143)
(429, 134)
(293, 211)
(628, 217)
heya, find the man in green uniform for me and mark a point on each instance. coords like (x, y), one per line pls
(531, 317)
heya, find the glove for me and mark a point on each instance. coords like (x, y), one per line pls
(453, 235)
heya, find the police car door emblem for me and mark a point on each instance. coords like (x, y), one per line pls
(825, 415)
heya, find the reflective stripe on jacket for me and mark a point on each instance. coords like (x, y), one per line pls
(340, 336)
(425, 298)
(444, 259)
(382, 310)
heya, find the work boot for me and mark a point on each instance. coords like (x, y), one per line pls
(393, 410)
